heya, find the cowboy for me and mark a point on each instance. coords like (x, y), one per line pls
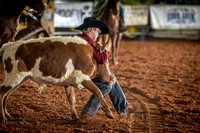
(91, 28)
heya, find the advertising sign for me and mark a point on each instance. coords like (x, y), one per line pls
(175, 17)
(71, 14)
(136, 15)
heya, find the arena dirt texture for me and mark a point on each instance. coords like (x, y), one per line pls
(162, 76)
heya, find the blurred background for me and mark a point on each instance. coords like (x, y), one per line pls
(143, 19)
(158, 69)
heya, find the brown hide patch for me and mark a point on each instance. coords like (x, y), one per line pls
(5, 89)
(84, 59)
(21, 66)
(55, 56)
(53, 62)
(8, 65)
(29, 52)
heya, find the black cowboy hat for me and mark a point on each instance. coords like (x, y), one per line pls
(94, 22)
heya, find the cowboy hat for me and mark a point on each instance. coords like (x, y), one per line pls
(93, 22)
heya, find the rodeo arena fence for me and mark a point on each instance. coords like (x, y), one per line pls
(168, 21)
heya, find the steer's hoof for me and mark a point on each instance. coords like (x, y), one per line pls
(109, 115)
(75, 117)
(7, 115)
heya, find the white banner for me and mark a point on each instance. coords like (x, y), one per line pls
(175, 17)
(135, 15)
(71, 14)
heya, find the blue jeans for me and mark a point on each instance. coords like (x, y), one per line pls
(116, 96)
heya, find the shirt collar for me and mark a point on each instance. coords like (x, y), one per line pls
(87, 38)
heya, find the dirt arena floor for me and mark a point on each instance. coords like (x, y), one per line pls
(161, 76)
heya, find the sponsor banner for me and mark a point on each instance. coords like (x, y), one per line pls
(175, 17)
(135, 15)
(71, 14)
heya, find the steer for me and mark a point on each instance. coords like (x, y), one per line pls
(66, 61)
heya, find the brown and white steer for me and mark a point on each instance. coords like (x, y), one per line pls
(66, 61)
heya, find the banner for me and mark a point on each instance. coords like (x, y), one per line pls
(135, 15)
(175, 17)
(71, 14)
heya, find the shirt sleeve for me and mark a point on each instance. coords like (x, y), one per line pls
(101, 58)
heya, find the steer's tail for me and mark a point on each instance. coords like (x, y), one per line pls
(1, 44)
(3, 48)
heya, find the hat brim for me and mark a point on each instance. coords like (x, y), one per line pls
(94, 23)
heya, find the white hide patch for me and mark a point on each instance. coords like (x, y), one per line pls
(11, 47)
(65, 40)
(71, 77)
(14, 77)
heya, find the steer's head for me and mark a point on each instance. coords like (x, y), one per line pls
(101, 46)
(103, 74)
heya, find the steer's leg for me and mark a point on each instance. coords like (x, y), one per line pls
(4, 106)
(8, 93)
(72, 101)
(96, 91)
(5, 91)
